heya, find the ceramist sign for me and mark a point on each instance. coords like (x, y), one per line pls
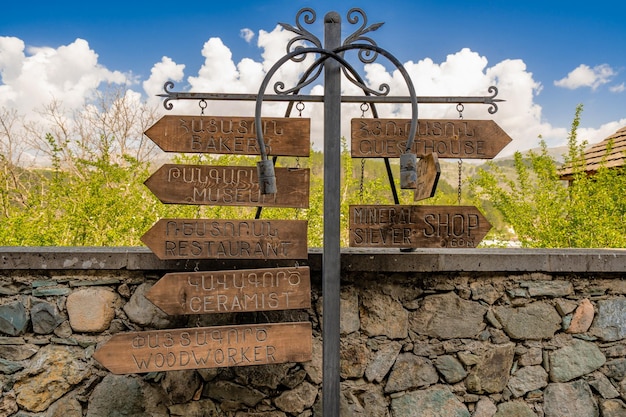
(232, 291)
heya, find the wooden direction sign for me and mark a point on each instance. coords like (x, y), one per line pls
(231, 135)
(227, 239)
(402, 226)
(206, 347)
(231, 291)
(428, 172)
(228, 185)
(449, 138)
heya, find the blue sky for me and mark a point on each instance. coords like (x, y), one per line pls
(548, 55)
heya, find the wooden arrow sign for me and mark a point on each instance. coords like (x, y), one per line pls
(231, 135)
(231, 291)
(206, 347)
(428, 172)
(228, 186)
(227, 239)
(401, 226)
(449, 138)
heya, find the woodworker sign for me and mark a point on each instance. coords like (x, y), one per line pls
(206, 347)
(449, 138)
(231, 135)
(400, 226)
(232, 291)
(227, 185)
(227, 239)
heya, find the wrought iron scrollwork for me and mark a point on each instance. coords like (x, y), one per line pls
(311, 74)
(167, 95)
(493, 108)
(354, 16)
(303, 35)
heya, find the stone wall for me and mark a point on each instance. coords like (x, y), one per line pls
(430, 333)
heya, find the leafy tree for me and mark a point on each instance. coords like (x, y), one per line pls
(545, 211)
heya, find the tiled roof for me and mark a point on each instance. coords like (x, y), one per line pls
(595, 155)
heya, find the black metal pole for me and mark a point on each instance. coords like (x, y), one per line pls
(331, 260)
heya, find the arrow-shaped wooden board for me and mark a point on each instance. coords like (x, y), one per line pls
(228, 239)
(449, 138)
(402, 226)
(241, 290)
(231, 135)
(206, 347)
(228, 186)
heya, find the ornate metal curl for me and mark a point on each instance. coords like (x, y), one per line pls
(167, 95)
(309, 77)
(383, 89)
(365, 56)
(309, 16)
(267, 179)
(493, 106)
(413, 98)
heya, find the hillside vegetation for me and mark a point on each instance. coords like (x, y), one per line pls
(92, 193)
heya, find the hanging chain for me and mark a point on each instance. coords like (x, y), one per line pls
(460, 181)
(203, 104)
(364, 107)
(460, 108)
(300, 107)
(362, 180)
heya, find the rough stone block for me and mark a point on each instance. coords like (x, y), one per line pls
(491, 373)
(575, 360)
(610, 323)
(50, 375)
(91, 309)
(14, 318)
(410, 372)
(582, 318)
(569, 399)
(432, 402)
(534, 321)
(447, 316)
(381, 315)
(45, 317)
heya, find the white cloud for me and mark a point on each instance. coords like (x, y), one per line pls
(31, 77)
(161, 72)
(620, 88)
(246, 34)
(465, 73)
(34, 76)
(585, 76)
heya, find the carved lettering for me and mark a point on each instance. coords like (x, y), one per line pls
(206, 347)
(227, 185)
(471, 139)
(416, 226)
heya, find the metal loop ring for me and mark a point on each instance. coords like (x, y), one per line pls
(299, 107)
(203, 105)
(364, 107)
(460, 107)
